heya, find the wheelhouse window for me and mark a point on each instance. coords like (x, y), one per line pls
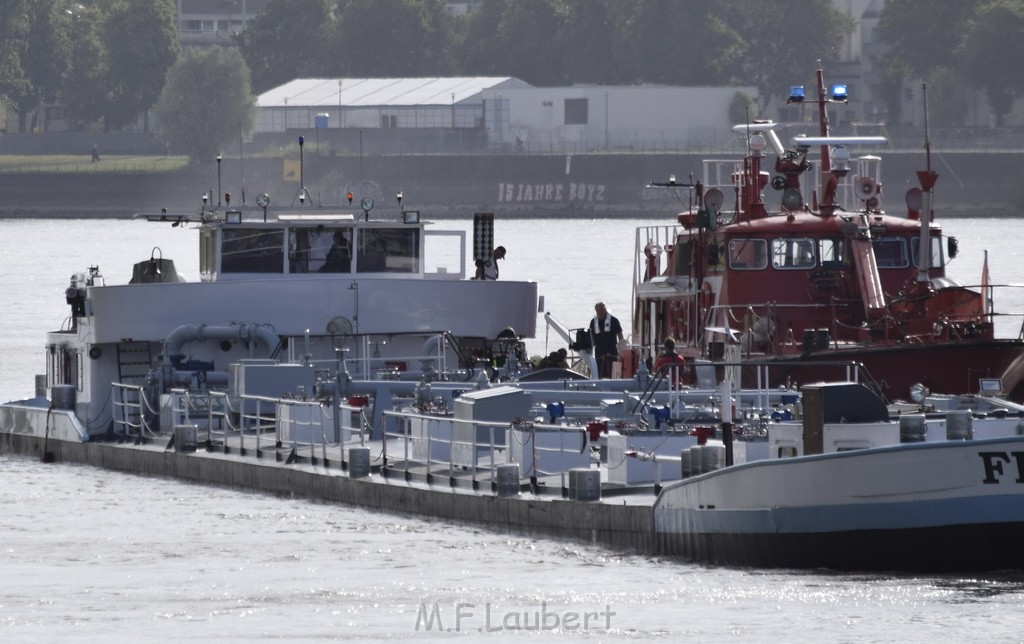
(207, 254)
(748, 254)
(320, 250)
(891, 252)
(252, 250)
(388, 250)
(793, 253)
(937, 258)
(832, 252)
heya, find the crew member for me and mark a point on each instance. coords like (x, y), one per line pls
(488, 269)
(606, 333)
(339, 257)
(671, 361)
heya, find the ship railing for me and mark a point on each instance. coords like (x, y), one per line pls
(368, 364)
(726, 175)
(673, 377)
(723, 174)
(651, 247)
(468, 453)
(757, 325)
(846, 370)
(132, 415)
(292, 429)
(190, 413)
(754, 387)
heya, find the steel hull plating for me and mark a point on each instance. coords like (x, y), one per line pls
(982, 547)
(952, 506)
(942, 367)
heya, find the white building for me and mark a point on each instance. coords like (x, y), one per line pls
(588, 118)
(514, 114)
(378, 102)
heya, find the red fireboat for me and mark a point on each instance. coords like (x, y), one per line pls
(818, 279)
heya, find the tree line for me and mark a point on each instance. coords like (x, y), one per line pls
(109, 60)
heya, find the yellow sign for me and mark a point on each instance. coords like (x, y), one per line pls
(291, 171)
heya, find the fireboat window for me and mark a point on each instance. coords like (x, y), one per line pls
(388, 250)
(937, 259)
(891, 252)
(252, 250)
(832, 252)
(793, 253)
(748, 254)
(320, 250)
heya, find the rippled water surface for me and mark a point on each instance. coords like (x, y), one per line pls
(99, 556)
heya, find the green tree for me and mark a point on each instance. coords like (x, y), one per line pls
(412, 39)
(286, 41)
(678, 42)
(515, 38)
(772, 61)
(14, 28)
(947, 102)
(591, 51)
(45, 59)
(207, 100)
(923, 35)
(141, 42)
(990, 40)
(742, 108)
(85, 92)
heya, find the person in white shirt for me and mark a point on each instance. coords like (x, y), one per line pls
(488, 269)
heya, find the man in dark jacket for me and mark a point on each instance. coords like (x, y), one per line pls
(606, 333)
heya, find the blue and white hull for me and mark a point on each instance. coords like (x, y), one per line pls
(948, 506)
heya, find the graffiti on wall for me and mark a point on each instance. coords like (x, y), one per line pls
(533, 192)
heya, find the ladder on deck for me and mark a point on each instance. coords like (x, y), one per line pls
(133, 362)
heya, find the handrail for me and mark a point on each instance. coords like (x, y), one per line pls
(428, 445)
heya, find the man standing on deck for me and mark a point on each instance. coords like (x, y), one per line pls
(606, 333)
(488, 269)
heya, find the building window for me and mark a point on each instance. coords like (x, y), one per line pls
(191, 25)
(389, 120)
(576, 111)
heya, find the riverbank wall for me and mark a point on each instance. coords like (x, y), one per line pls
(439, 186)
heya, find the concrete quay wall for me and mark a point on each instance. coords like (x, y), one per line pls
(595, 185)
(623, 527)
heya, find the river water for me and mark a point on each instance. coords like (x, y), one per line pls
(91, 555)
